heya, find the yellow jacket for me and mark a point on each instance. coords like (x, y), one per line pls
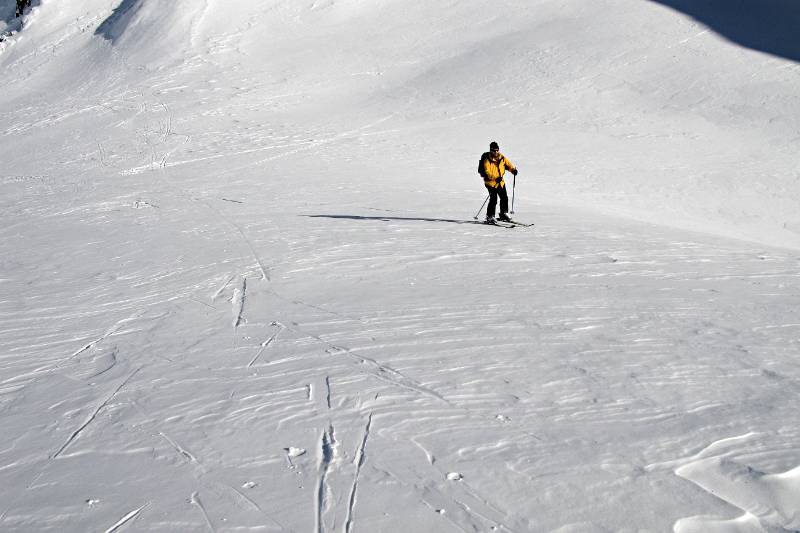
(492, 167)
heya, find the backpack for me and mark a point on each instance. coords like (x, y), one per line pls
(481, 170)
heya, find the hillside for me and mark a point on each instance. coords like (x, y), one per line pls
(242, 289)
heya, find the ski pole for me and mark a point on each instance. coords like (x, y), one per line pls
(513, 194)
(481, 209)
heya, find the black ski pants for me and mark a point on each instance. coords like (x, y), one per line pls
(494, 193)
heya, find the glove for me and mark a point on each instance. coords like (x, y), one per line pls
(514, 171)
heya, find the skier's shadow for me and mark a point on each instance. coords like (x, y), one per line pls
(770, 26)
(393, 219)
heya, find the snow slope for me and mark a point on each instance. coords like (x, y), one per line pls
(241, 287)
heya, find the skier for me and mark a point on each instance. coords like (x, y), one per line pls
(492, 167)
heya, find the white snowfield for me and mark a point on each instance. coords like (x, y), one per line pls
(242, 289)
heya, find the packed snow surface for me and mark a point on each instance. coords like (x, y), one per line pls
(242, 289)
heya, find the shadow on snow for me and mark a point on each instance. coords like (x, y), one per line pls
(770, 26)
(393, 219)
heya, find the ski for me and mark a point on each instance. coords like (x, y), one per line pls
(505, 223)
(521, 224)
(498, 223)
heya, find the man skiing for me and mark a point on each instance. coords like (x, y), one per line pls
(492, 167)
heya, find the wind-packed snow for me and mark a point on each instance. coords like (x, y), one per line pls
(242, 289)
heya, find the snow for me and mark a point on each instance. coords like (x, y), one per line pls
(241, 288)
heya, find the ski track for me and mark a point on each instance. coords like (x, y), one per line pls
(461, 509)
(359, 461)
(266, 344)
(237, 303)
(241, 233)
(182, 451)
(376, 369)
(326, 456)
(94, 414)
(111, 331)
(468, 509)
(127, 518)
(328, 392)
(253, 505)
(222, 287)
(195, 499)
(248, 501)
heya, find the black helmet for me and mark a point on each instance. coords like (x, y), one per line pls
(494, 146)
